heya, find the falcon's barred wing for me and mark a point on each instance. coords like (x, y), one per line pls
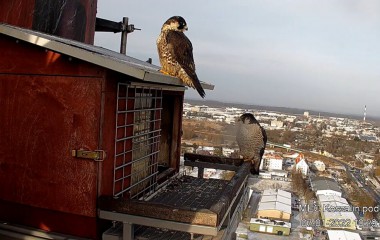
(181, 50)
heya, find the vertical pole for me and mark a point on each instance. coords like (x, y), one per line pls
(200, 172)
(124, 33)
(128, 231)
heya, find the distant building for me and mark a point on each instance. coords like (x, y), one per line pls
(306, 114)
(277, 124)
(325, 186)
(319, 165)
(279, 174)
(302, 167)
(275, 204)
(368, 138)
(271, 162)
(266, 175)
(241, 231)
(205, 150)
(289, 119)
(270, 226)
(199, 108)
(227, 151)
(336, 212)
(342, 235)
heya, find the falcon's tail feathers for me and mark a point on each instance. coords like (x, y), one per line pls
(199, 89)
(191, 79)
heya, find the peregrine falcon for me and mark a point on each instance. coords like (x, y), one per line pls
(251, 138)
(176, 53)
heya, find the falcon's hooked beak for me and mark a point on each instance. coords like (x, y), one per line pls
(185, 28)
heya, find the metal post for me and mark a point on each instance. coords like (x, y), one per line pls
(200, 172)
(124, 33)
(128, 231)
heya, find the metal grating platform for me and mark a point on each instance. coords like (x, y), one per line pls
(195, 207)
(191, 192)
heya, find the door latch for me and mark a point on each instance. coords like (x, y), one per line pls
(96, 155)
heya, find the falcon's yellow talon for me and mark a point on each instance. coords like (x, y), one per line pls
(163, 72)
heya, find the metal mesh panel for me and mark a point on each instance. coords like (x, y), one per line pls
(138, 132)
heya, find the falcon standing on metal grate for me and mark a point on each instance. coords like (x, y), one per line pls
(176, 53)
(251, 138)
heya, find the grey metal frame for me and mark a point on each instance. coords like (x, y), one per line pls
(129, 220)
(137, 139)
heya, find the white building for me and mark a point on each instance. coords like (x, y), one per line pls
(277, 124)
(271, 162)
(319, 165)
(227, 151)
(303, 167)
(342, 235)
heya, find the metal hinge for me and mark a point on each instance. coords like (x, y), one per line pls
(96, 155)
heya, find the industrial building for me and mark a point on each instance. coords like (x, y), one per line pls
(342, 235)
(275, 204)
(325, 186)
(270, 226)
(336, 212)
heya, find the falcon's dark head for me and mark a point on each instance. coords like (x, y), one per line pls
(175, 23)
(248, 118)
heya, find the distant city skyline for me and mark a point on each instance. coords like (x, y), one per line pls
(317, 55)
(282, 109)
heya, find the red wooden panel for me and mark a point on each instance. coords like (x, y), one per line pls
(108, 134)
(42, 119)
(19, 13)
(74, 19)
(25, 58)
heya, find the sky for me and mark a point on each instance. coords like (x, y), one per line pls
(321, 55)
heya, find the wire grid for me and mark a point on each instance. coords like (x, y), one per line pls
(138, 132)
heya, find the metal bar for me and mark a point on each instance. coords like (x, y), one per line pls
(139, 110)
(201, 171)
(232, 202)
(128, 231)
(159, 223)
(131, 125)
(114, 162)
(104, 25)
(136, 136)
(136, 160)
(134, 149)
(143, 139)
(213, 159)
(130, 175)
(153, 97)
(211, 165)
(124, 33)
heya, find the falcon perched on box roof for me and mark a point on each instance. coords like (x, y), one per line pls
(251, 138)
(176, 53)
